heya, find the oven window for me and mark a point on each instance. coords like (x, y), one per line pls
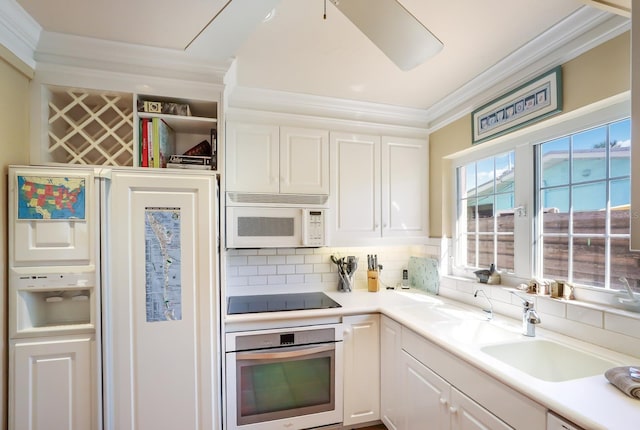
(276, 389)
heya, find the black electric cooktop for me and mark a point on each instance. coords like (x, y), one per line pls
(279, 302)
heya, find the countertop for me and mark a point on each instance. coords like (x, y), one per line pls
(590, 402)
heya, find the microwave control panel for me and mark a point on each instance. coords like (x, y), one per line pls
(315, 228)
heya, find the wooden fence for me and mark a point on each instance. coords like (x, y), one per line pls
(588, 252)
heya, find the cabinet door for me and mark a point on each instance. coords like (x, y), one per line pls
(390, 373)
(361, 369)
(252, 158)
(160, 302)
(53, 384)
(405, 166)
(466, 414)
(426, 396)
(355, 175)
(304, 161)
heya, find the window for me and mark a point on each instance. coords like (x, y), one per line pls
(551, 201)
(583, 196)
(486, 211)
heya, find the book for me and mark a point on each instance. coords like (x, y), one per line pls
(201, 160)
(188, 166)
(202, 148)
(164, 142)
(144, 145)
(150, 143)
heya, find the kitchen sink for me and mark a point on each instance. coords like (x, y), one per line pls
(547, 360)
(477, 332)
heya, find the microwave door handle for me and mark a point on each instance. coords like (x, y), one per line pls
(284, 354)
(305, 222)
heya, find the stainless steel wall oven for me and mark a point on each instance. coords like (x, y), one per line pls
(284, 378)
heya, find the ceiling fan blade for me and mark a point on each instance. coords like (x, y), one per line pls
(227, 31)
(392, 29)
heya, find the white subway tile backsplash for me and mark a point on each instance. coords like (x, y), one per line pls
(324, 268)
(313, 278)
(295, 259)
(552, 307)
(585, 315)
(257, 260)
(237, 261)
(315, 258)
(257, 280)
(246, 251)
(276, 280)
(267, 270)
(285, 269)
(313, 266)
(295, 279)
(247, 270)
(304, 268)
(276, 259)
(622, 324)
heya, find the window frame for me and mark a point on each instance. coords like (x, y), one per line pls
(522, 142)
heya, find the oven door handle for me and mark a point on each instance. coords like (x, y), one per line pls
(284, 354)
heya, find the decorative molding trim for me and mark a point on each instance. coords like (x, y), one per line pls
(19, 32)
(328, 107)
(578, 33)
(65, 49)
(321, 120)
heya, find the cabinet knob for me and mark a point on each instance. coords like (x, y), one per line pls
(443, 401)
(453, 410)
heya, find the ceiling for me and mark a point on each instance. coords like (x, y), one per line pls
(299, 51)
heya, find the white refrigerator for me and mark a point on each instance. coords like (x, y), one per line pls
(113, 299)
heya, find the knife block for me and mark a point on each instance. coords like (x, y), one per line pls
(373, 282)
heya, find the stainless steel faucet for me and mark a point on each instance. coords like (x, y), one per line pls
(529, 316)
(489, 311)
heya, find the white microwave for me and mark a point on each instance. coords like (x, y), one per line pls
(275, 227)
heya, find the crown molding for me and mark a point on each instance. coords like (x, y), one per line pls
(583, 30)
(90, 53)
(326, 107)
(19, 32)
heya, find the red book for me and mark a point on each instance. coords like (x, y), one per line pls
(144, 156)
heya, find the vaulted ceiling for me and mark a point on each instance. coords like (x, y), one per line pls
(296, 50)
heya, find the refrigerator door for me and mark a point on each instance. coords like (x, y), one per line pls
(53, 217)
(160, 301)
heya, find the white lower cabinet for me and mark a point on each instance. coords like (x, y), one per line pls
(52, 384)
(361, 369)
(425, 386)
(390, 372)
(430, 399)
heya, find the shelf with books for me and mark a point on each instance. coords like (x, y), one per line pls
(189, 123)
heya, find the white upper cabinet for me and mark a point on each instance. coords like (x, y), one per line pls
(304, 161)
(404, 187)
(270, 159)
(379, 188)
(355, 170)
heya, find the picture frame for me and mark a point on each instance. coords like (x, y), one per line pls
(533, 101)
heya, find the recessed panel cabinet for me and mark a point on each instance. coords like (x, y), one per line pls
(51, 383)
(379, 188)
(361, 369)
(422, 383)
(390, 373)
(263, 158)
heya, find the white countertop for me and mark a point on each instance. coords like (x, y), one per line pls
(591, 402)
